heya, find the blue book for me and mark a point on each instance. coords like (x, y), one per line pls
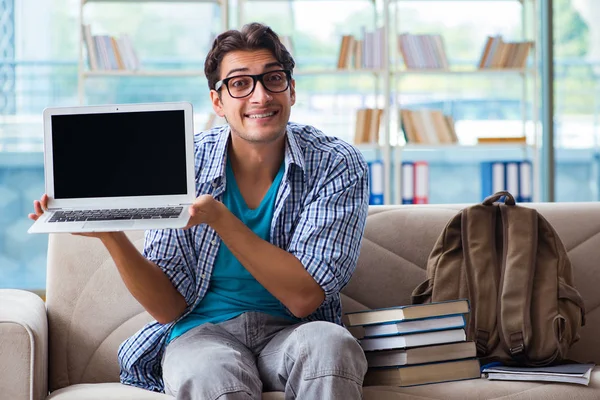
(493, 178)
(414, 326)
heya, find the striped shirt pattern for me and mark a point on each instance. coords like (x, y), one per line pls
(320, 213)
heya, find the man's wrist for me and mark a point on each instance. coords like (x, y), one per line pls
(218, 212)
(110, 237)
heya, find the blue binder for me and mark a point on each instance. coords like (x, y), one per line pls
(376, 182)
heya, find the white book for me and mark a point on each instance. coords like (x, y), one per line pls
(419, 325)
(512, 179)
(413, 340)
(571, 373)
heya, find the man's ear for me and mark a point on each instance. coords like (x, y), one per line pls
(293, 91)
(217, 103)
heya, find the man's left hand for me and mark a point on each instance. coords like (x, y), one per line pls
(204, 210)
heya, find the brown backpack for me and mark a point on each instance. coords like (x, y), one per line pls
(511, 265)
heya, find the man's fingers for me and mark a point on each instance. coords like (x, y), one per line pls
(37, 207)
(44, 202)
(33, 216)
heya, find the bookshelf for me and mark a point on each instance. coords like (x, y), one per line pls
(124, 69)
(383, 87)
(518, 70)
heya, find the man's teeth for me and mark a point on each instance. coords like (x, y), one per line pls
(262, 115)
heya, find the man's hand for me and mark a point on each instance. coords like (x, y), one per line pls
(204, 210)
(38, 207)
(41, 205)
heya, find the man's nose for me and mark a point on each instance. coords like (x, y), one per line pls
(260, 94)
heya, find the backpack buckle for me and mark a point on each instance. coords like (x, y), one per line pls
(519, 348)
(515, 351)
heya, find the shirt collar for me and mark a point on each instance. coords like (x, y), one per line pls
(293, 152)
(215, 168)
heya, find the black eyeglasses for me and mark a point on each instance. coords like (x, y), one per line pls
(243, 85)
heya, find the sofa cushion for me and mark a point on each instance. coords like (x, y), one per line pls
(480, 389)
(483, 389)
(117, 391)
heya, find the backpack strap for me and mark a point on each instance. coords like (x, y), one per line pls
(481, 267)
(520, 238)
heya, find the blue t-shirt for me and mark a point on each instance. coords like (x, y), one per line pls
(233, 290)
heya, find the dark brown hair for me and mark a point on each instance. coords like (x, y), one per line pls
(254, 36)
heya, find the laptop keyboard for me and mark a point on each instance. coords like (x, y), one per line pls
(116, 214)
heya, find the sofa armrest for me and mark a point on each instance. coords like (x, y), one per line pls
(23, 346)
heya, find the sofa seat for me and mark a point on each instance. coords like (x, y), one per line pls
(480, 389)
(483, 389)
(118, 391)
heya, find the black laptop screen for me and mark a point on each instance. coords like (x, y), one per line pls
(119, 154)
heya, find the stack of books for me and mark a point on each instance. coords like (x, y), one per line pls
(416, 344)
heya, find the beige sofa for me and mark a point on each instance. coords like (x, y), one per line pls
(69, 347)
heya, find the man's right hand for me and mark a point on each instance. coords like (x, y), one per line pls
(38, 207)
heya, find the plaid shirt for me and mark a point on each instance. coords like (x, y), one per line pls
(319, 217)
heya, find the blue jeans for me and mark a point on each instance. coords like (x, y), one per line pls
(256, 352)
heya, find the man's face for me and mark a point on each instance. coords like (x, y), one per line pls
(262, 116)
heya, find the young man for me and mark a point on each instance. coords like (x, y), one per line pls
(246, 298)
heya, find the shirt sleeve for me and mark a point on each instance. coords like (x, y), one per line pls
(328, 235)
(172, 251)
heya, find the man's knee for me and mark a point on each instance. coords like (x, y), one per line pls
(331, 347)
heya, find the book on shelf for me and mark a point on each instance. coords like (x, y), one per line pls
(413, 340)
(377, 179)
(502, 140)
(427, 127)
(568, 373)
(414, 184)
(423, 374)
(421, 182)
(415, 326)
(105, 52)
(497, 53)
(368, 121)
(422, 51)
(365, 52)
(421, 355)
(408, 312)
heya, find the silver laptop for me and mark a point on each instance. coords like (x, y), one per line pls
(117, 167)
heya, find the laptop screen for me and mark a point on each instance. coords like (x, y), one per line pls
(119, 154)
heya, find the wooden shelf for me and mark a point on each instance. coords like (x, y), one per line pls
(152, 1)
(418, 146)
(144, 73)
(333, 71)
(485, 71)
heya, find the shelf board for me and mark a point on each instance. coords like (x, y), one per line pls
(151, 1)
(333, 71)
(454, 1)
(416, 146)
(368, 146)
(485, 71)
(140, 73)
